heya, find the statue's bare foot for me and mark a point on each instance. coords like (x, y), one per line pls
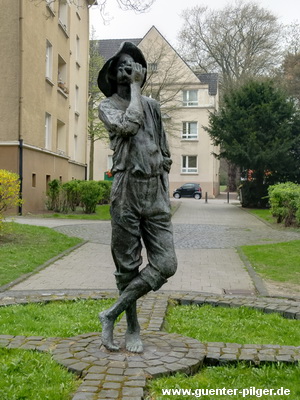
(133, 342)
(107, 332)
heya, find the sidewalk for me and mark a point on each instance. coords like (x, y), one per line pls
(206, 236)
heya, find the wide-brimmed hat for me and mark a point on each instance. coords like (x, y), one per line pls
(106, 84)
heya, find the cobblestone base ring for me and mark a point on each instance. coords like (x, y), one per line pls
(123, 375)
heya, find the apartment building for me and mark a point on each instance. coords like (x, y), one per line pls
(186, 99)
(43, 98)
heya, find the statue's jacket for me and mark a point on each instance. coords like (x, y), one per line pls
(137, 139)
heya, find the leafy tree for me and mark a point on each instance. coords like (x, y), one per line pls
(258, 129)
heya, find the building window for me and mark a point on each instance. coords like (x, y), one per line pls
(48, 179)
(49, 60)
(75, 146)
(189, 165)
(190, 130)
(49, 4)
(63, 14)
(62, 75)
(190, 98)
(48, 131)
(77, 50)
(76, 100)
(152, 67)
(61, 137)
(33, 180)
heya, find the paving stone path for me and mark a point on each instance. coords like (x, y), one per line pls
(123, 375)
(206, 238)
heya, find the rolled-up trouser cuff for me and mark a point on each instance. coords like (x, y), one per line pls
(153, 277)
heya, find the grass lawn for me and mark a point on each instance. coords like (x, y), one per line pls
(30, 375)
(24, 247)
(263, 214)
(34, 376)
(58, 318)
(238, 325)
(102, 213)
(278, 262)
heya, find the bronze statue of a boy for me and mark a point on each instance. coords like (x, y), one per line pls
(140, 205)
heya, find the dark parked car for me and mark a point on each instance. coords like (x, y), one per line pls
(188, 190)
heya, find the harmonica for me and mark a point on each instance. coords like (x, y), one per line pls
(128, 69)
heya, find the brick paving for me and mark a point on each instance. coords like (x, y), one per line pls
(206, 237)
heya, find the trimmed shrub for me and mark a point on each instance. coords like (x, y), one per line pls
(90, 194)
(284, 199)
(72, 194)
(53, 201)
(9, 192)
(105, 191)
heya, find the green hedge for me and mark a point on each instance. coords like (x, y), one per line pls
(63, 197)
(284, 199)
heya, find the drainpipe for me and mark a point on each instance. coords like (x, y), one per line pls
(20, 101)
(21, 173)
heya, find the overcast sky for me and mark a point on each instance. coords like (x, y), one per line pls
(165, 15)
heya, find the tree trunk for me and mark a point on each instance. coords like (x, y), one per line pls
(232, 177)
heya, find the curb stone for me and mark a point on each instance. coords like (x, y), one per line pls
(124, 375)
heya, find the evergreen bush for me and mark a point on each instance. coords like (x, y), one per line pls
(253, 195)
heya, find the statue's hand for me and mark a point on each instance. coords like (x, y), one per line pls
(138, 73)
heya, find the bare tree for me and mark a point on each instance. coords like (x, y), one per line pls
(292, 38)
(165, 80)
(138, 6)
(289, 75)
(239, 41)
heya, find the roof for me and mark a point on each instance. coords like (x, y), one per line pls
(108, 47)
(212, 80)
